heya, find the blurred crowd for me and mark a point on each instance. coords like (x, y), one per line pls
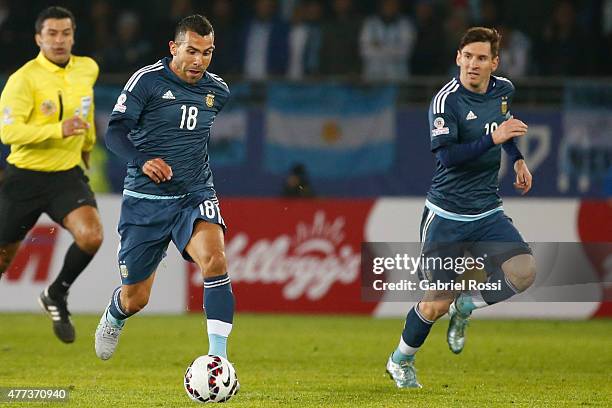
(299, 39)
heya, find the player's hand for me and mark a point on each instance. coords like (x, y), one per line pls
(509, 129)
(85, 157)
(523, 177)
(157, 170)
(74, 126)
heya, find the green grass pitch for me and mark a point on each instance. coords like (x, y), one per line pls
(316, 361)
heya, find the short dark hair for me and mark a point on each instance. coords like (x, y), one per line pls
(196, 23)
(53, 12)
(482, 34)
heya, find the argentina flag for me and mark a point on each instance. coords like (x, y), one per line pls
(335, 131)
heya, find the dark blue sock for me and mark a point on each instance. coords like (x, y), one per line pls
(506, 291)
(414, 334)
(115, 309)
(219, 307)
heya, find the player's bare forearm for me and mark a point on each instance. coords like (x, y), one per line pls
(524, 179)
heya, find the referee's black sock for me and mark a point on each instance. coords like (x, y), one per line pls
(75, 262)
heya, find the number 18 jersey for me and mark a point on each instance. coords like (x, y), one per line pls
(173, 122)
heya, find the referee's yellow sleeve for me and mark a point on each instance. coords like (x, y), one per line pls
(16, 104)
(90, 136)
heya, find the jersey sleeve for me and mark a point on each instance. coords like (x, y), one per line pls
(16, 104)
(131, 100)
(442, 126)
(90, 136)
(510, 146)
(508, 88)
(223, 89)
(226, 96)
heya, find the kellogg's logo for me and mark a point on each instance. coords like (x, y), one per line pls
(306, 264)
(295, 256)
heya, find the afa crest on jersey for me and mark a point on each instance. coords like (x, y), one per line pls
(210, 100)
(123, 270)
(504, 105)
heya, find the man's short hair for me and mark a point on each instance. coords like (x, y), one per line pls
(482, 34)
(53, 12)
(195, 23)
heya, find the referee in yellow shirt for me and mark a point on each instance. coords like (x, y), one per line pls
(48, 120)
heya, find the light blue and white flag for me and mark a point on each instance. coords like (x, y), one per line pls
(335, 131)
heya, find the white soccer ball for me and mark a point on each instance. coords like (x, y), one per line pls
(211, 379)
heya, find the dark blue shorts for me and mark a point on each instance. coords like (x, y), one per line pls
(494, 239)
(147, 226)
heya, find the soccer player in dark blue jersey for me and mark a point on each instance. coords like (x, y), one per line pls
(470, 123)
(161, 126)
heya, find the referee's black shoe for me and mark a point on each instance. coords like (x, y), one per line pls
(57, 310)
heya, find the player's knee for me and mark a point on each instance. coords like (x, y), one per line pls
(435, 309)
(520, 271)
(89, 238)
(213, 265)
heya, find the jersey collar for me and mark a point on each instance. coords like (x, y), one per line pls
(49, 66)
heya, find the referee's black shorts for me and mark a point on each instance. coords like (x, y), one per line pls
(26, 194)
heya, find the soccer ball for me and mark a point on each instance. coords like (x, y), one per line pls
(211, 379)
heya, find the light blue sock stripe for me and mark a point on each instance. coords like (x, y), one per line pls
(113, 320)
(217, 345)
(464, 305)
(398, 356)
